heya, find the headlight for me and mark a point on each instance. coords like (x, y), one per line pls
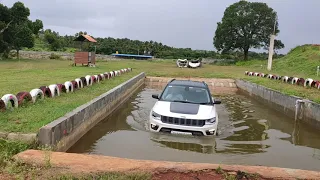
(211, 121)
(156, 115)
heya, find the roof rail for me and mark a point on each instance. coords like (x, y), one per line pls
(205, 83)
(172, 80)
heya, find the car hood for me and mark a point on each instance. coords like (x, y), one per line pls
(189, 111)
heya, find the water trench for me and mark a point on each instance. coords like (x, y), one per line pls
(250, 134)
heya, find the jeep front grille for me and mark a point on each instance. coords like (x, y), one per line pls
(183, 122)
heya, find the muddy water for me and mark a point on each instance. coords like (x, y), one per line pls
(250, 134)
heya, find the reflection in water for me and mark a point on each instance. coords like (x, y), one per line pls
(204, 145)
(250, 134)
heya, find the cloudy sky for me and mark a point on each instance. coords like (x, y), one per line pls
(179, 23)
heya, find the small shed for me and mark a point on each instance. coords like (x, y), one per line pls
(84, 57)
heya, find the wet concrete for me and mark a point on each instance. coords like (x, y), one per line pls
(251, 134)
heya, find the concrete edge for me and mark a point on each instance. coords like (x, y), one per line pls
(308, 111)
(83, 106)
(82, 163)
(63, 132)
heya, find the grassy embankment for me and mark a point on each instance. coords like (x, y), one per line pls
(300, 62)
(29, 74)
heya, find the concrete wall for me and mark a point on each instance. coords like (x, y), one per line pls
(63, 55)
(64, 132)
(216, 86)
(308, 111)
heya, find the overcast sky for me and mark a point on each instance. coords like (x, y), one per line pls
(178, 23)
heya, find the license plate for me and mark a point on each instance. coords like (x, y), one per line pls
(182, 133)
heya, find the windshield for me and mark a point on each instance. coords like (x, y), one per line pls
(187, 94)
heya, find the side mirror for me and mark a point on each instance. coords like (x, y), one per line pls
(216, 102)
(155, 96)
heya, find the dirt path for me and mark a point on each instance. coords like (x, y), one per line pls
(82, 163)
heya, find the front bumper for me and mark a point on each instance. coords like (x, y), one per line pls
(159, 126)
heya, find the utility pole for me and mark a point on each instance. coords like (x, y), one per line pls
(271, 46)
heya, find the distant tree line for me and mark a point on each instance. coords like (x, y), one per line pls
(18, 32)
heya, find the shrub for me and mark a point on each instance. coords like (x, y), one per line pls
(54, 56)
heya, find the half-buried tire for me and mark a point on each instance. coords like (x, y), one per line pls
(301, 82)
(111, 74)
(10, 101)
(62, 88)
(54, 90)
(2, 105)
(294, 80)
(97, 79)
(75, 85)
(23, 98)
(69, 86)
(88, 80)
(46, 91)
(80, 82)
(308, 82)
(84, 81)
(36, 94)
(107, 75)
(102, 77)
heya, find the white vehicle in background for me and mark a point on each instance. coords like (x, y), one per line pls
(182, 63)
(194, 63)
(185, 107)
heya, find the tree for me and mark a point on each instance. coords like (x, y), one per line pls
(52, 39)
(16, 30)
(23, 37)
(37, 26)
(246, 25)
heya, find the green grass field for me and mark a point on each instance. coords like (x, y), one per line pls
(25, 75)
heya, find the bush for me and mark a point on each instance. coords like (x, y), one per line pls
(54, 56)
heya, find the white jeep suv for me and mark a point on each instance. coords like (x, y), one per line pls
(185, 107)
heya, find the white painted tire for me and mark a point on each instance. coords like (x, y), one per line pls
(256, 74)
(89, 80)
(285, 79)
(117, 73)
(130, 69)
(112, 74)
(107, 75)
(294, 80)
(250, 73)
(69, 86)
(10, 99)
(79, 82)
(36, 94)
(54, 90)
(262, 75)
(97, 78)
(103, 77)
(308, 82)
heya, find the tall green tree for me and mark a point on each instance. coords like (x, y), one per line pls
(246, 25)
(23, 37)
